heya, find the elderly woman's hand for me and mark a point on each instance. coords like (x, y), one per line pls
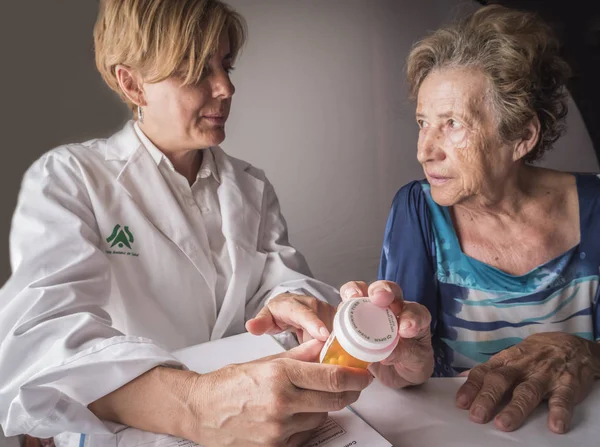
(411, 363)
(553, 365)
(308, 317)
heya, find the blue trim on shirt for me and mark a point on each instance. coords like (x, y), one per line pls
(469, 300)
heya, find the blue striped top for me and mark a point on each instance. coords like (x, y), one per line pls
(477, 309)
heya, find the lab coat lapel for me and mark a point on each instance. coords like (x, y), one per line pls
(240, 197)
(143, 181)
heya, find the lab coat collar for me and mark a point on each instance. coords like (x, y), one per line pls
(207, 168)
(123, 144)
(240, 196)
(126, 146)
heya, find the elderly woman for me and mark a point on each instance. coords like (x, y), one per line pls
(125, 249)
(505, 255)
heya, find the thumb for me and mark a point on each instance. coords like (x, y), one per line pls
(263, 323)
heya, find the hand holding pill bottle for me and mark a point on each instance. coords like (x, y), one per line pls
(363, 333)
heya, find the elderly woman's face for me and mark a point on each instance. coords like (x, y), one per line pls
(459, 147)
(193, 116)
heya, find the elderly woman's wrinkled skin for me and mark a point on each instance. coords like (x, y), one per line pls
(500, 206)
(461, 154)
(513, 217)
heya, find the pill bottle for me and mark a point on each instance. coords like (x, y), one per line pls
(363, 333)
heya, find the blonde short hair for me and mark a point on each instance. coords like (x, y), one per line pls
(161, 38)
(518, 53)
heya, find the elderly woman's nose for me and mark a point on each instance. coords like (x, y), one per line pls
(428, 147)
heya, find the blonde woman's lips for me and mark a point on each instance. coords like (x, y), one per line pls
(217, 120)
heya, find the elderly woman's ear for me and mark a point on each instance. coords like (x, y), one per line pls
(131, 84)
(529, 139)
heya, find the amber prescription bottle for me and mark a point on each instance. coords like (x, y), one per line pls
(363, 333)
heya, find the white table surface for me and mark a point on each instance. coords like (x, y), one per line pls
(427, 416)
(421, 416)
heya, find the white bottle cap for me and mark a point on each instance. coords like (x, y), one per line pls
(366, 331)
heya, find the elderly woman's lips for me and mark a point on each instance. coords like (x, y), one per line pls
(436, 179)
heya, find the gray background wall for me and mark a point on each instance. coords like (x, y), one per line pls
(320, 105)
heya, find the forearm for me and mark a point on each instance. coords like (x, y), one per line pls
(157, 401)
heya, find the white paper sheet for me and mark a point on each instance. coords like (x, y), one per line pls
(342, 428)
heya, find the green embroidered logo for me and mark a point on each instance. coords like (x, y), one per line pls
(121, 238)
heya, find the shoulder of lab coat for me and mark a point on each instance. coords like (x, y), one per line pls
(286, 269)
(59, 351)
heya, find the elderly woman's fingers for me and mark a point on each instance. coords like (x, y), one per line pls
(354, 289)
(414, 321)
(525, 398)
(467, 393)
(413, 357)
(561, 403)
(413, 360)
(497, 383)
(382, 293)
(387, 294)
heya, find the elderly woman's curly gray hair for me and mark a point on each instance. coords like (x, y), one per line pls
(519, 54)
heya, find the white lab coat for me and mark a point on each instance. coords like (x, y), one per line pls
(84, 313)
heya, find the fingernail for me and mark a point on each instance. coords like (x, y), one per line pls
(462, 401)
(352, 293)
(560, 426)
(479, 414)
(505, 421)
(324, 332)
(381, 290)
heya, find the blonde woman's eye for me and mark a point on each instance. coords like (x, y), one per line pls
(453, 124)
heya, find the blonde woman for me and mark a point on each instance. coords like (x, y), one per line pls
(505, 255)
(125, 249)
